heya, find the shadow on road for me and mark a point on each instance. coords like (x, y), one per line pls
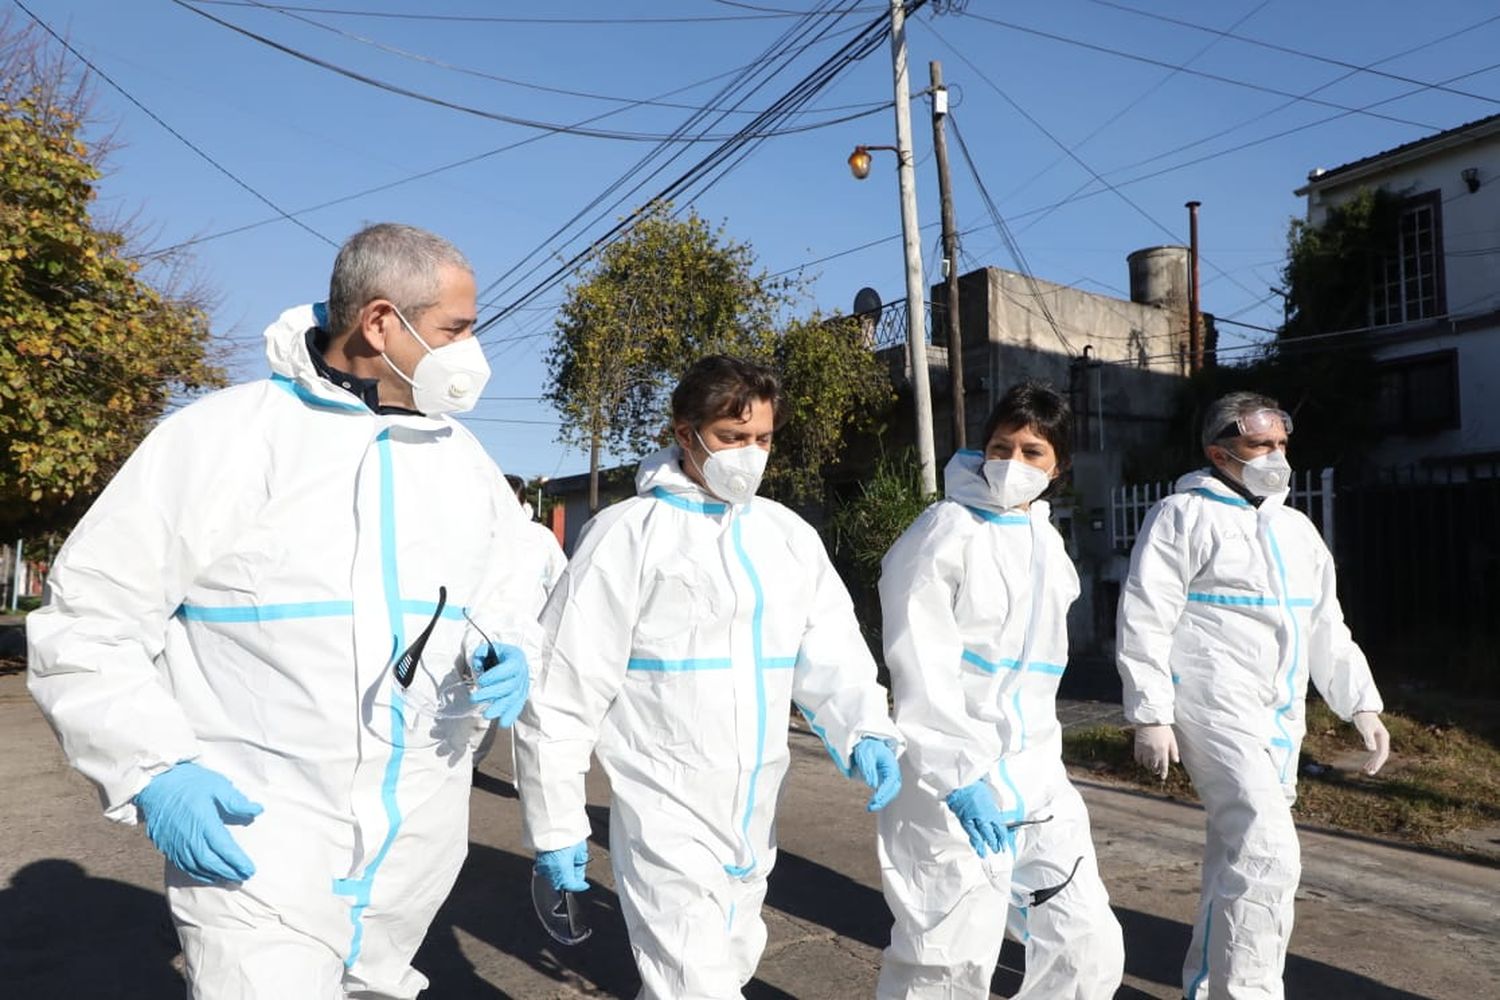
(491, 902)
(65, 934)
(1155, 946)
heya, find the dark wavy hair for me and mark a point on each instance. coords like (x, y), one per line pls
(719, 385)
(1041, 407)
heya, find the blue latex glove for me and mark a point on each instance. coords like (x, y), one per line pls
(876, 763)
(504, 681)
(185, 808)
(974, 805)
(565, 867)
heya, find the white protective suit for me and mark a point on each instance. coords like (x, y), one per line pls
(677, 641)
(1228, 611)
(545, 568)
(552, 560)
(974, 601)
(236, 597)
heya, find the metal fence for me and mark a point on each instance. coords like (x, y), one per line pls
(1312, 493)
(886, 327)
(1419, 567)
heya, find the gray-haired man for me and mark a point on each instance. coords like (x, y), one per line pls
(1230, 608)
(272, 622)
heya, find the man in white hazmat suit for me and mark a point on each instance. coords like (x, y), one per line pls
(545, 569)
(550, 558)
(989, 832)
(690, 618)
(257, 642)
(1229, 610)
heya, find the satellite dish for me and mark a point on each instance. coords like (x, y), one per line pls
(866, 300)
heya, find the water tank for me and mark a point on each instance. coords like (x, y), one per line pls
(1159, 277)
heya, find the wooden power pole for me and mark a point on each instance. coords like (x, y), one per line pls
(950, 255)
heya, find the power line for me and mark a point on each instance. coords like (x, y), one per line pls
(777, 50)
(1005, 234)
(551, 127)
(431, 172)
(1136, 101)
(1272, 46)
(1318, 89)
(506, 19)
(802, 92)
(1148, 60)
(782, 11)
(870, 106)
(1253, 142)
(175, 134)
(1077, 159)
(1078, 194)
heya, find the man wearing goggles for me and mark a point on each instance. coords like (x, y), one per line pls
(1230, 608)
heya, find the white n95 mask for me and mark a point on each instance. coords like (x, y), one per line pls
(1013, 482)
(733, 474)
(1265, 475)
(449, 379)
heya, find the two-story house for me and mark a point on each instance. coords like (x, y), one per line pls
(1434, 315)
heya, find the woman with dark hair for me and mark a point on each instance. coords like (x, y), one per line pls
(989, 834)
(690, 620)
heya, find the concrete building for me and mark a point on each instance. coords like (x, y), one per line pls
(1434, 318)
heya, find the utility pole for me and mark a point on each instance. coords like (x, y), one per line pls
(916, 312)
(950, 254)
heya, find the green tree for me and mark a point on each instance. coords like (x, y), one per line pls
(673, 290)
(1331, 269)
(667, 292)
(832, 387)
(90, 354)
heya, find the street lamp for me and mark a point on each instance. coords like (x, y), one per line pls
(916, 326)
(859, 160)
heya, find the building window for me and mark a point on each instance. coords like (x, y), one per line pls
(1418, 394)
(1409, 282)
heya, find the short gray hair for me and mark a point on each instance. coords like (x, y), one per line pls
(388, 261)
(1227, 409)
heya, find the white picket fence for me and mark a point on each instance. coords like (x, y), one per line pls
(1312, 493)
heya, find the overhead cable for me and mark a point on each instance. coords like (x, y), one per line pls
(1005, 234)
(433, 171)
(871, 106)
(771, 60)
(496, 116)
(1229, 33)
(650, 20)
(202, 154)
(1218, 78)
(1072, 155)
(803, 91)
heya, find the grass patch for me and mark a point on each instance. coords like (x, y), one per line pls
(1443, 776)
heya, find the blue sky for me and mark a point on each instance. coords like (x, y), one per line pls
(1046, 94)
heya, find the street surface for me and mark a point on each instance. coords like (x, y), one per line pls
(81, 912)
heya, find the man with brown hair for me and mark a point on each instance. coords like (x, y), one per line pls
(690, 619)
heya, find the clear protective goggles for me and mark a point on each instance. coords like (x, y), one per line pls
(1001, 872)
(1261, 421)
(432, 709)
